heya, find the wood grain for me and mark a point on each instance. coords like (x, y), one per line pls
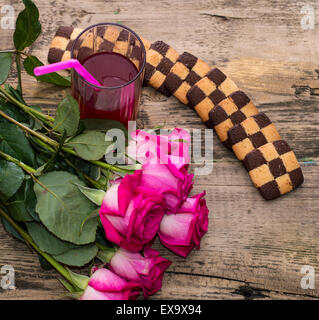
(254, 249)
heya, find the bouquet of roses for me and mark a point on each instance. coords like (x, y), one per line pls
(76, 210)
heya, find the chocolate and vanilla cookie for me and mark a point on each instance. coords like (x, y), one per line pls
(209, 91)
(61, 45)
(229, 112)
(112, 39)
(106, 38)
(251, 134)
(187, 70)
(274, 169)
(160, 58)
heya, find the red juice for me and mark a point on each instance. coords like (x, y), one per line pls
(111, 70)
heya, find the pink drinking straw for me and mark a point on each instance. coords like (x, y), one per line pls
(72, 63)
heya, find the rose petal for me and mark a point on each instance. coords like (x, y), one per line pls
(105, 280)
(177, 228)
(110, 201)
(92, 294)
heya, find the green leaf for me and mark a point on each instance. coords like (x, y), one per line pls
(21, 204)
(11, 178)
(90, 145)
(95, 213)
(63, 251)
(35, 124)
(67, 116)
(14, 143)
(101, 238)
(28, 26)
(32, 62)
(55, 155)
(88, 168)
(30, 199)
(78, 256)
(62, 207)
(103, 125)
(11, 230)
(95, 195)
(14, 92)
(46, 241)
(12, 111)
(5, 65)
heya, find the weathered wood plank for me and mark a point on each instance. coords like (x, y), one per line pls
(204, 288)
(252, 240)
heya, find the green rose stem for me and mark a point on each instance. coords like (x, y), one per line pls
(49, 148)
(89, 179)
(18, 66)
(20, 164)
(107, 252)
(58, 267)
(31, 170)
(24, 167)
(55, 144)
(34, 113)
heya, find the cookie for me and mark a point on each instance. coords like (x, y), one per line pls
(251, 134)
(184, 74)
(61, 45)
(209, 91)
(229, 112)
(106, 38)
(274, 169)
(160, 58)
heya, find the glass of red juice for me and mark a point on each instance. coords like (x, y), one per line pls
(115, 56)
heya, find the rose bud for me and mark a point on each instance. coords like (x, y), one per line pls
(130, 217)
(106, 285)
(148, 270)
(182, 232)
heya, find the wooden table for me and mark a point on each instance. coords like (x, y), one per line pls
(254, 249)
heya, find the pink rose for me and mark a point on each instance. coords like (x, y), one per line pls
(165, 160)
(182, 232)
(172, 184)
(131, 217)
(105, 285)
(148, 270)
(172, 148)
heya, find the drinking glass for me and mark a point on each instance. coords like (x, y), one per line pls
(111, 101)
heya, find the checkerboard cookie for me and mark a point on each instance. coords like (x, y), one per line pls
(61, 45)
(251, 134)
(160, 58)
(270, 162)
(209, 91)
(229, 112)
(107, 38)
(274, 169)
(187, 71)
